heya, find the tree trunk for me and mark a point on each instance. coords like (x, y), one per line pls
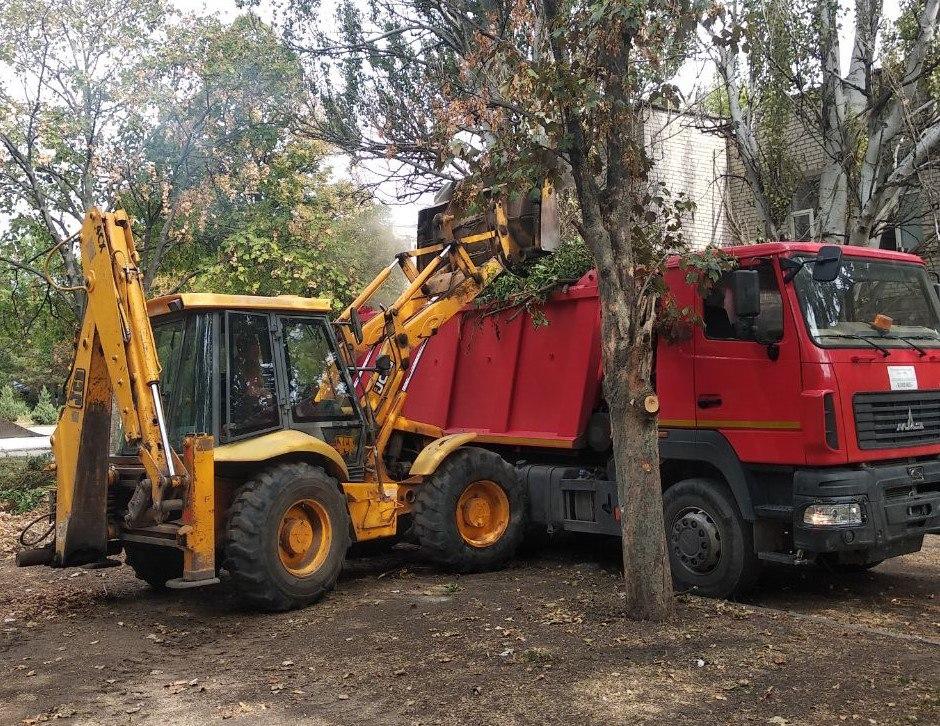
(833, 188)
(745, 143)
(628, 361)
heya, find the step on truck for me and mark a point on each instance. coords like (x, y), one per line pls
(799, 421)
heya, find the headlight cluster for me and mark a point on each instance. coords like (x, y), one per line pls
(828, 515)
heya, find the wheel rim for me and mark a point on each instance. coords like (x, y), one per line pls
(482, 513)
(696, 540)
(304, 537)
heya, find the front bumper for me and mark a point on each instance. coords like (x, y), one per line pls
(900, 504)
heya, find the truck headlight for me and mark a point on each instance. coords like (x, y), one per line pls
(828, 515)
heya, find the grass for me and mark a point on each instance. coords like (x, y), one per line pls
(24, 482)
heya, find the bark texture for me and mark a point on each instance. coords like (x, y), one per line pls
(628, 361)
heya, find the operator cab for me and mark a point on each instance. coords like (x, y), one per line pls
(239, 366)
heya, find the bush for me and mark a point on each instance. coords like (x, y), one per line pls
(45, 412)
(12, 407)
(24, 482)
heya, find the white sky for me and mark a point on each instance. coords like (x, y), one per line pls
(404, 216)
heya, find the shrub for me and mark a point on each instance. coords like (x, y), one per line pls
(45, 412)
(12, 407)
(24, 482)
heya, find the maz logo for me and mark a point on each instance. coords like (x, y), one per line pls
(911, 424)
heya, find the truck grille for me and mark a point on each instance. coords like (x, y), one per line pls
(897, 419)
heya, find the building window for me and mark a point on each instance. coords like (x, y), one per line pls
(905, 233)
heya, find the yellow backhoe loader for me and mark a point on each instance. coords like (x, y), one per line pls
(259, 438)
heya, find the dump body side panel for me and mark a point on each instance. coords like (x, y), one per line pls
(511, 380)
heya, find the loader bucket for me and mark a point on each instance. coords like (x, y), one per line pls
(532, 221)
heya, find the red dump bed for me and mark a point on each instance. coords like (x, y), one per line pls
(510, 381)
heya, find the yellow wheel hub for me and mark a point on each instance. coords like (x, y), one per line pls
(304, 537)
(482, 513)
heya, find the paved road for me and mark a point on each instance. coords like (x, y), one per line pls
(28, 445)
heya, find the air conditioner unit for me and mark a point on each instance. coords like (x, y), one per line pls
(802, 224)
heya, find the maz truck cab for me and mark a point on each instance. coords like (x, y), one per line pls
(813, 388)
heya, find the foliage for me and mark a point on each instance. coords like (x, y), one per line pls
(36, 328)
(12, 407)
(24, 482)
(788, 96)
(190, 125)
(537, 282)
(304, 235)
(67, 84)
(703, 268)
(45, 412)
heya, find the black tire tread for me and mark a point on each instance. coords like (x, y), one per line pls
(154, 564)
(244, 558)
(737, 582)
(434, 517)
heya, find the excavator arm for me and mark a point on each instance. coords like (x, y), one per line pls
(116, 367)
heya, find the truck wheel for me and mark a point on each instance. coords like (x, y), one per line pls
(287, 536)
(470, 515)
(711, 546)
(154, 564)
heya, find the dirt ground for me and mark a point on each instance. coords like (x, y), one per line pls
(542, 642)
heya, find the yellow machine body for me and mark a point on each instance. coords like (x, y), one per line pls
(180, 498)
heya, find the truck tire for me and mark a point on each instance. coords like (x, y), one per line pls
(470, 515)
(154, 564)
(711, 546)
(287, 536)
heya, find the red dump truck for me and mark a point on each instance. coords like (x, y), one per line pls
(799, 422)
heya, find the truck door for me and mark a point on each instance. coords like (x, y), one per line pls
(747, 377)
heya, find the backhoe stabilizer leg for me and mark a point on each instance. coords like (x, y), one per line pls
(82, 434)
(196, 536)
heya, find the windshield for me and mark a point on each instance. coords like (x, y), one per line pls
(184, 347)
(840, 313)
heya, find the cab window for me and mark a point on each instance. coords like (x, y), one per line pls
(317, 387)
(252, 391)
(720, 320)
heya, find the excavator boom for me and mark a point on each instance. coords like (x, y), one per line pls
(458, 259)
(116, 367)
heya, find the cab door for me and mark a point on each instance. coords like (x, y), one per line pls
(319, 396)
(747, 377)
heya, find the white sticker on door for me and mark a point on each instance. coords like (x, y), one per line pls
(903, 378)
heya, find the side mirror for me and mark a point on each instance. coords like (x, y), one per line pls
(355, 325)
(745, 287)
(383, 364)
(828, 263)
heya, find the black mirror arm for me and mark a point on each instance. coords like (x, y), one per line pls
(791, 268)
